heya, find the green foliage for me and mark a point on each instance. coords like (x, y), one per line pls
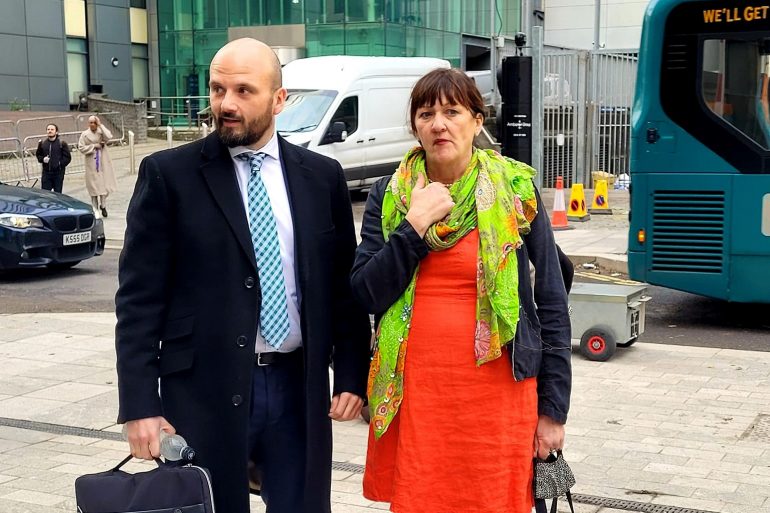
(19, 104)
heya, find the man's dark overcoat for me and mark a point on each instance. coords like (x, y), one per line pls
(188, 277)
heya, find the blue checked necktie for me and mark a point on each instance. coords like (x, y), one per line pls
(273, 317)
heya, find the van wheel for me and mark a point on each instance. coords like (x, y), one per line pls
(597, 345)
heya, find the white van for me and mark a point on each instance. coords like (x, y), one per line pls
(353, 109)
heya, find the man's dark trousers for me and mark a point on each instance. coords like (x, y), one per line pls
(277, 432)
(52, 180)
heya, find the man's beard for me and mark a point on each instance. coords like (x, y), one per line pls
(254, 130)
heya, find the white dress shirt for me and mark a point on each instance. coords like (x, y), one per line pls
(272, 176)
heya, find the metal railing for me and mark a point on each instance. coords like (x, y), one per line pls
(587, 111)
(18, 162)
(178, 111)
(13, 167)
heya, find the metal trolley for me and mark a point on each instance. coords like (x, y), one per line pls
(605, 316)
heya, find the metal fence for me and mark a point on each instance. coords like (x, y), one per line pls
(18, 162)
(189, 111)
(587, 98)
(12, 166)
(613, 76)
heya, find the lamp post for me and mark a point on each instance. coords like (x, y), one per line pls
(492, 52)
(597, 22)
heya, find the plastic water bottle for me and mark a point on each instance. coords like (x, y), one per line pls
(175, 448)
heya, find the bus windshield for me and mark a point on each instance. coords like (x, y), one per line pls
(304, 110)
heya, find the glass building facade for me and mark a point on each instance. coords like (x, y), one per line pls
(191, 31)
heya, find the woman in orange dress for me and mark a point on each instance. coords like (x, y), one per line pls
(469, 380)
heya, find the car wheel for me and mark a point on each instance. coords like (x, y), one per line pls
(61, 266)
(597, 345)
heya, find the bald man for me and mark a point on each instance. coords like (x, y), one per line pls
(234, 295)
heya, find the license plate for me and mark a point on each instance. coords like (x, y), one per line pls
(71, 239)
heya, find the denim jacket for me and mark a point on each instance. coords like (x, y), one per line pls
(542, 345)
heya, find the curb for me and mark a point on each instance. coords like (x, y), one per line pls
(614, 263)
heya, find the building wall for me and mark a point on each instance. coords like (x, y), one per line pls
(109, 37)
(32, 64)
(191, 31)
(570, 23)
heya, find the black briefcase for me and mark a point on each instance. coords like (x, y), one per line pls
(166, 489)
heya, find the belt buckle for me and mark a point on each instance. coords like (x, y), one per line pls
(259, 361)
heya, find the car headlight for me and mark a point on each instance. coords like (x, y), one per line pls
(20, 221)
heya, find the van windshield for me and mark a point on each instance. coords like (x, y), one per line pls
(304, 110)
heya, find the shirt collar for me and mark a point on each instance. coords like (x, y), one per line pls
(270, 148)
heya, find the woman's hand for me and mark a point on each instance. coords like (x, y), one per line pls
(548, 437)
(429, 205)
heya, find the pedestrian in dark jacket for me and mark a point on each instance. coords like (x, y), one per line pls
(55, 156)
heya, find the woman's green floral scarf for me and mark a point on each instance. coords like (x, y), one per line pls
(496, 194)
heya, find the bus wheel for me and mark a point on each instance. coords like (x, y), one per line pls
(597, 345)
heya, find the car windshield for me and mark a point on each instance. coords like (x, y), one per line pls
(304, 110)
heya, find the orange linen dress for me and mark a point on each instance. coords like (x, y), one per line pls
(462, 441)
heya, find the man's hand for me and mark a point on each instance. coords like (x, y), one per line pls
(345, 406)
(46, 159)
(548, 437)
(143, 436)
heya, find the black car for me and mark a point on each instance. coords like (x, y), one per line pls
(41, 228)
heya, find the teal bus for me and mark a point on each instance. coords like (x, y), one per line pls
(700, 150)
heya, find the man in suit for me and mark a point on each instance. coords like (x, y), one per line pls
(234, 293)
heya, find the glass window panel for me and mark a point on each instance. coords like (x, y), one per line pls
(434, 43)
(282, 12)
(304, 110)
(734, 85)
(184, 48)
(325, 39)
(452, 48)
(183, 14)
(364, 39)
(77, 75)
(435, 15)
(412, 14)
(240, 12)
(314, 11)
(395, 40)
(511, 14)
(139, 51)
(415, 42)
(206, 44)
(347, 113)
(210, 14)
(453, 20)
(364, 10)
(75, 45)
(141, 4)
(140, 77)
(471, 18)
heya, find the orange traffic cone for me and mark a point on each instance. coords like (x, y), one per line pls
(559, 212)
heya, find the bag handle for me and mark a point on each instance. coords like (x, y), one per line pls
(129, 458)
(540, 506)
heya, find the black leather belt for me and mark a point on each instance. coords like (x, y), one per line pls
(275, 358)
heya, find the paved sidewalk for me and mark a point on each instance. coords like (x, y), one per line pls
(670, 425)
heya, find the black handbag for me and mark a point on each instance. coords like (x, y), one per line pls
(166, 489)
(553, 479)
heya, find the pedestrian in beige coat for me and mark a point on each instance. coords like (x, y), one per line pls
(100, 175)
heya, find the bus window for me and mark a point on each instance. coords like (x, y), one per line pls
(735, 85)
